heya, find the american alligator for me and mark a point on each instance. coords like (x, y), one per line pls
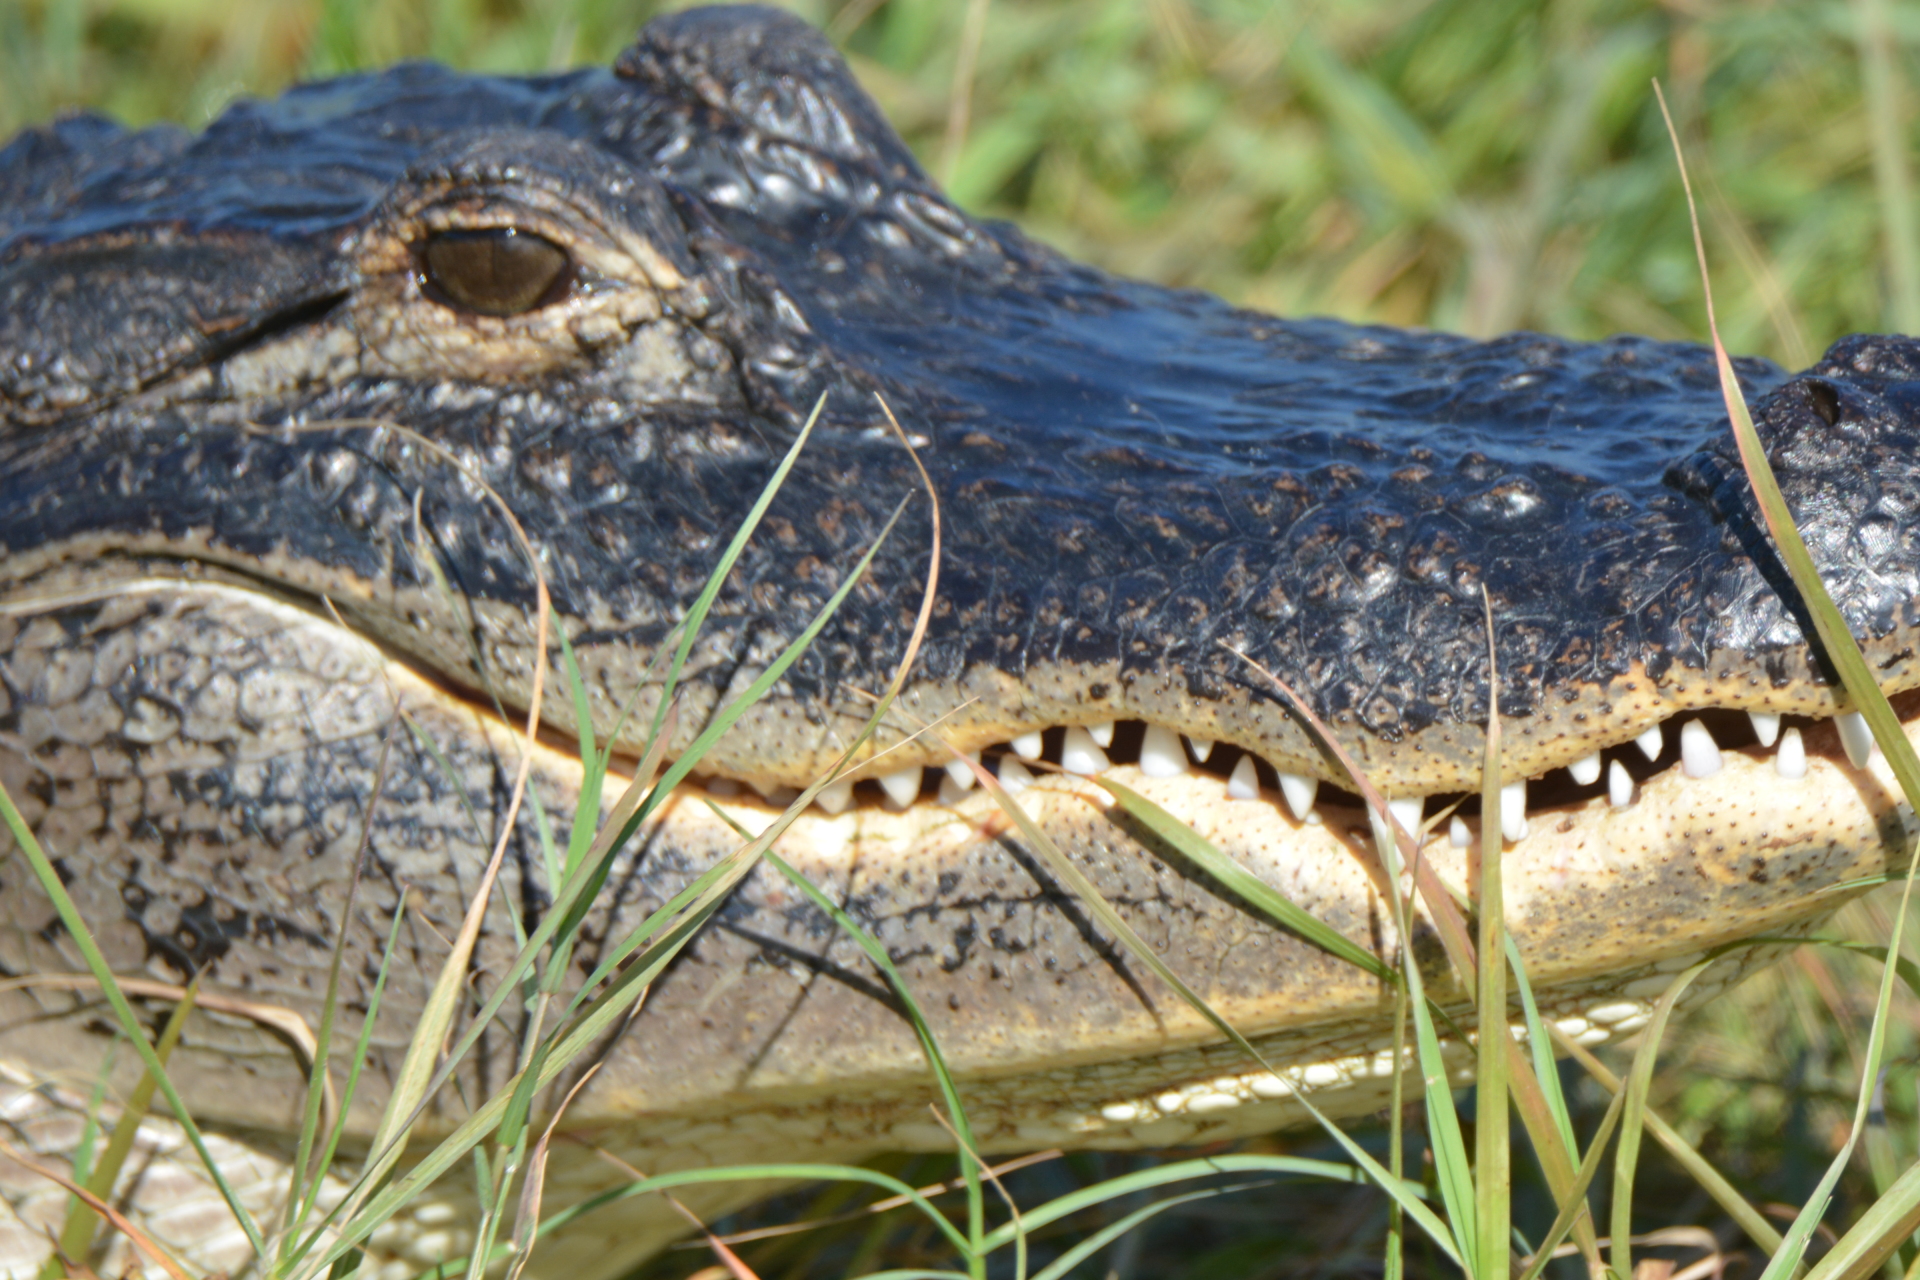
(269, 390)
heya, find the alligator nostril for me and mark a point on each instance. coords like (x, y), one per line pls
(1825, 400)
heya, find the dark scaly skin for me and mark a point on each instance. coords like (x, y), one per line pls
(199, 340)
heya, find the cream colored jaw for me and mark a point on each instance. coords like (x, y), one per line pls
(1163, 753)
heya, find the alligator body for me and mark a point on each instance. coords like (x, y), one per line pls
(287, 403)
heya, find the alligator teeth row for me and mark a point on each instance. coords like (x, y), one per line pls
(1163, 753)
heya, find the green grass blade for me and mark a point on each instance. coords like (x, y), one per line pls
(1548, 1120)
(571, 901)
(702, 603)
(936, 1061)
(559, 1221)
(1574, 1205)
(595, 1021)
(1090, 1245)
(1632, 1121)
(1697, 1167)
(1888, 1223)
(1788, 1259)
(1394, 1265)
(360, 1053)
(311, 1118)
(123, 1013)
(1181, 1171)
(1540, 1046)
(713, 887)
(1451, 1168)
(1102, 910)
(1238, 880)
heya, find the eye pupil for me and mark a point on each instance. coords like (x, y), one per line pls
(498, 271)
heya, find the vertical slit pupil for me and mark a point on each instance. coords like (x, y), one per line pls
(498, 271)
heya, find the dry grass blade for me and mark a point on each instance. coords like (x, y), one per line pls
(140, 1240)
(76, 1236)
(1492, 1174)
(533, 1186)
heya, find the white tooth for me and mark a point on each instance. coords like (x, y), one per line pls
(1457, 834)
(1082, 755)
(1790, 761)
(1619, 785)
(1699, 753)
(1650, 743)
(1160, 753)
(1014, 776)
(1202, 748)
(959, 773)
(1766, 727)
(1513, 811)
(1855, 737)
(1101, 733)
(1299, 792)
(1244, 784)
(1027, 746)
(902, 786)
(836, 798)
(952, 792)
(1408, 813)
(1586, 770)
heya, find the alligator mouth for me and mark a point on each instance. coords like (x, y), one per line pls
(1762, 748)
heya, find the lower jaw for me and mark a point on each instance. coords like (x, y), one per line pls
(1018, 984)
(774, 1029)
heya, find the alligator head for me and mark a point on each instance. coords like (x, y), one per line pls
(288, 404)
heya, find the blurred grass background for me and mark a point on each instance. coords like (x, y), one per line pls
(1476, 165)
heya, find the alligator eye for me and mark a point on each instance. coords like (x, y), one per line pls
(500, 271)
